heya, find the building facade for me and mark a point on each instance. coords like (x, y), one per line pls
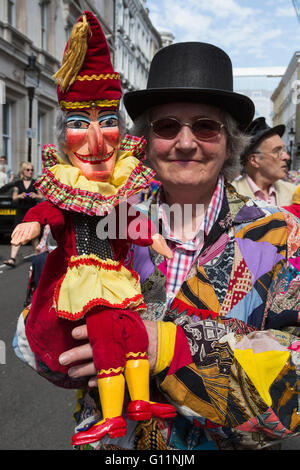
(136, 42)
(286, 99)
(258, 83)
(33, 35)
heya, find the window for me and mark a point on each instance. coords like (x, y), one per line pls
(11, 12)
(6, 131)
(44, 7)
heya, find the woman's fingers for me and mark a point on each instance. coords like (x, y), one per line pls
(80, 353)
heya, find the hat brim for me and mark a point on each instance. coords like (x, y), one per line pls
(239, 106)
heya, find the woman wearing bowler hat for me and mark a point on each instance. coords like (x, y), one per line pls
(231, 278)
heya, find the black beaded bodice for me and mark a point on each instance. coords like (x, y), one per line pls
(87, 241)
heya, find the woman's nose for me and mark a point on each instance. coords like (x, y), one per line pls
(185, 139)
(95, 139)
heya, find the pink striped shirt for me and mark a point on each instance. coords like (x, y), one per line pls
(185, 252)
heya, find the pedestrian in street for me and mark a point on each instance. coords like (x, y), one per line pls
(25, 196)
(207, 307)
(6, 169)
(3, 177)
(265, 165)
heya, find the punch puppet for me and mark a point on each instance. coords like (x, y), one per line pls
(85, 278)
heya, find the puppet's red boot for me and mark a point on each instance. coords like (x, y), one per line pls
(114, 427)
(111, 392)
(139, 410)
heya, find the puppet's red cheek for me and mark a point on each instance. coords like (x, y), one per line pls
(75, 138)
(111, 135)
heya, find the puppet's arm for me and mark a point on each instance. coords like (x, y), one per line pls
(37, 217)
(141, 231)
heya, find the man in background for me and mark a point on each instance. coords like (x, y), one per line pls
(265, 164)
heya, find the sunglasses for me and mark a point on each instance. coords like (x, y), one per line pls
(202, 128)
(29, 169)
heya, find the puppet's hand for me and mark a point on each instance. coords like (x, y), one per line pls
(160, 246)
(25, 232)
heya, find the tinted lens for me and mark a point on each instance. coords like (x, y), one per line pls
(167, 128)
(206, 129)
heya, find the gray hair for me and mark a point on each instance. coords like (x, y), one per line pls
(61, 129)
(237, 141)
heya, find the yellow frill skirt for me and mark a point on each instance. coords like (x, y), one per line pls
(91, 281)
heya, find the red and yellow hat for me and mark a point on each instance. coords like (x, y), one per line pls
(86, 78)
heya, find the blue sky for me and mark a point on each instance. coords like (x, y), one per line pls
(254, 33)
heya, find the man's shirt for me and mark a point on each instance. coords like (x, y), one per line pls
(259, 194)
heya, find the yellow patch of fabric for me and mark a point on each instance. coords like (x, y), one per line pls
(72, 176)
(262, 368)
(166, 336)
(200, 288)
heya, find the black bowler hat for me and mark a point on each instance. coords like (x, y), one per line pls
(193, 72)
(259, 130)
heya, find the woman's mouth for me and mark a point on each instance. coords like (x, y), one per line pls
(92, 160)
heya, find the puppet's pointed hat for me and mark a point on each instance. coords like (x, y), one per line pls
(86, 78)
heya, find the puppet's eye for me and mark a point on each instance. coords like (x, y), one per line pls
(108, 121)
(77, 122)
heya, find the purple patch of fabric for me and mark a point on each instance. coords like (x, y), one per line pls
(248, 213)
(260, 257)
(142, 263)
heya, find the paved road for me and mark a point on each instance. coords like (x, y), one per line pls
(34, 413)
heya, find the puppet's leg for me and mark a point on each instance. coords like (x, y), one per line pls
(141, 408)
(104, 327)
(137, 372)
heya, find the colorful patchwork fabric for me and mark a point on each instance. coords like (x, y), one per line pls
(252, 277)
(242, 387)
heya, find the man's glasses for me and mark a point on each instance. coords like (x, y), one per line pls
(202, 128)
(275, 153)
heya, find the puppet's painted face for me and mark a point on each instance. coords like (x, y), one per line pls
(92, 142)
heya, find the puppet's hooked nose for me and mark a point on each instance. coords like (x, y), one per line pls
(96, 144)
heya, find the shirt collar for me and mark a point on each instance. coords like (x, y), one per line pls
(257, 190)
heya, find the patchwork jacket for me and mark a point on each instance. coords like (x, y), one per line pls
(238, 309)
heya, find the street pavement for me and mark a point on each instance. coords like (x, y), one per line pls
(35, 415)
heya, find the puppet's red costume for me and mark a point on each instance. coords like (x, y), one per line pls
(84, 278)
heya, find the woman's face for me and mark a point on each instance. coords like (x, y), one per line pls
(28, 171)
(92, 142)
(186, 162)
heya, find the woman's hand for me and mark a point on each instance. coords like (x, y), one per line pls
(80, 353)
(84, 352)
